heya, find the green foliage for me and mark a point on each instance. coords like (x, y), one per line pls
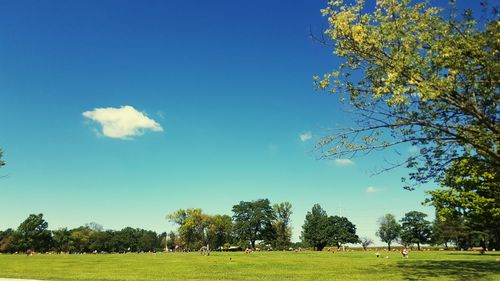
(415, 228)
(61, 239)
(219, 231)
(320, 230)
(315, 228)
(389, 229)
(192, 227)
(33, 234)
(470, 192)
(253, 221)
(7, 241)
(424, 80)
(282, 226)
(341, 231)
(197, 229)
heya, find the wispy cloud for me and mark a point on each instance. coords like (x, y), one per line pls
(413, 149)
(344, 162)
(371, 189)
(305, 136)
(122, 123)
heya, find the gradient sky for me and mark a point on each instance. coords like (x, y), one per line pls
(228, 85)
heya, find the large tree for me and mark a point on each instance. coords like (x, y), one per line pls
(61, 239)
(389, 229)
(315, 229)
(33, 234)
(193, 225)
(253, 221)
(219, 230)
(470, 193)
(415, 228)
(418, 78)
(282, 226)
(341, 231)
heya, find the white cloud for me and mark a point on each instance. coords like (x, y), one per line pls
(122, 123)
(305, 136)
(344, 162)
(371, 189)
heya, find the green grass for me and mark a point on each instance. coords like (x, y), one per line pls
(257, 266)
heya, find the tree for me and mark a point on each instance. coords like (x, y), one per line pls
(80, 239)
(389, 229)
(341, 231)
(315, 229)
(415, 228)
(416, 78)
(253, 221)
(365, 242)
(32, 234)
(147, 240)
(470, 192)
(219, 230)
(171, 242)
(192, 226)
(61, 238)
(283, 212)
(7, 241)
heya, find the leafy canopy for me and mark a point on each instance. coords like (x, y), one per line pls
(417, 78)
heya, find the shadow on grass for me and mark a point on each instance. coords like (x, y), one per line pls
(454, 270)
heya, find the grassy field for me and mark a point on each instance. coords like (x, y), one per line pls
(256, 266)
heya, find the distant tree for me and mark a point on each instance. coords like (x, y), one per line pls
(101, 241)
(389, 229)
(33, 234)
(253, 221)
(341, 231)
(94, 226)
(147, 240)
(61, 239)
(365, 242)
(192, 226)
(7, 241)
(315, 229)
(80, 239)
(283, 211)
(219, 230)
(415, 228)
(171, 242)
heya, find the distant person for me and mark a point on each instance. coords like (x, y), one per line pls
(29, 252)
(404, 252)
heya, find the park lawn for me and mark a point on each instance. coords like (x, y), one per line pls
(257, 266)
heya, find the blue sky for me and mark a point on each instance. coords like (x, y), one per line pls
(223, 92)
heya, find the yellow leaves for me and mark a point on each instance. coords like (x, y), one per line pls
(359, 33)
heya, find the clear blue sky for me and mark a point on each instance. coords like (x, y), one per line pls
(226, 87)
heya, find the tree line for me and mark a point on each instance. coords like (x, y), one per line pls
(33, 234)
(254, 224)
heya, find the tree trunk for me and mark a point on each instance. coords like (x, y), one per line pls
(389, 246)
(418, 246)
